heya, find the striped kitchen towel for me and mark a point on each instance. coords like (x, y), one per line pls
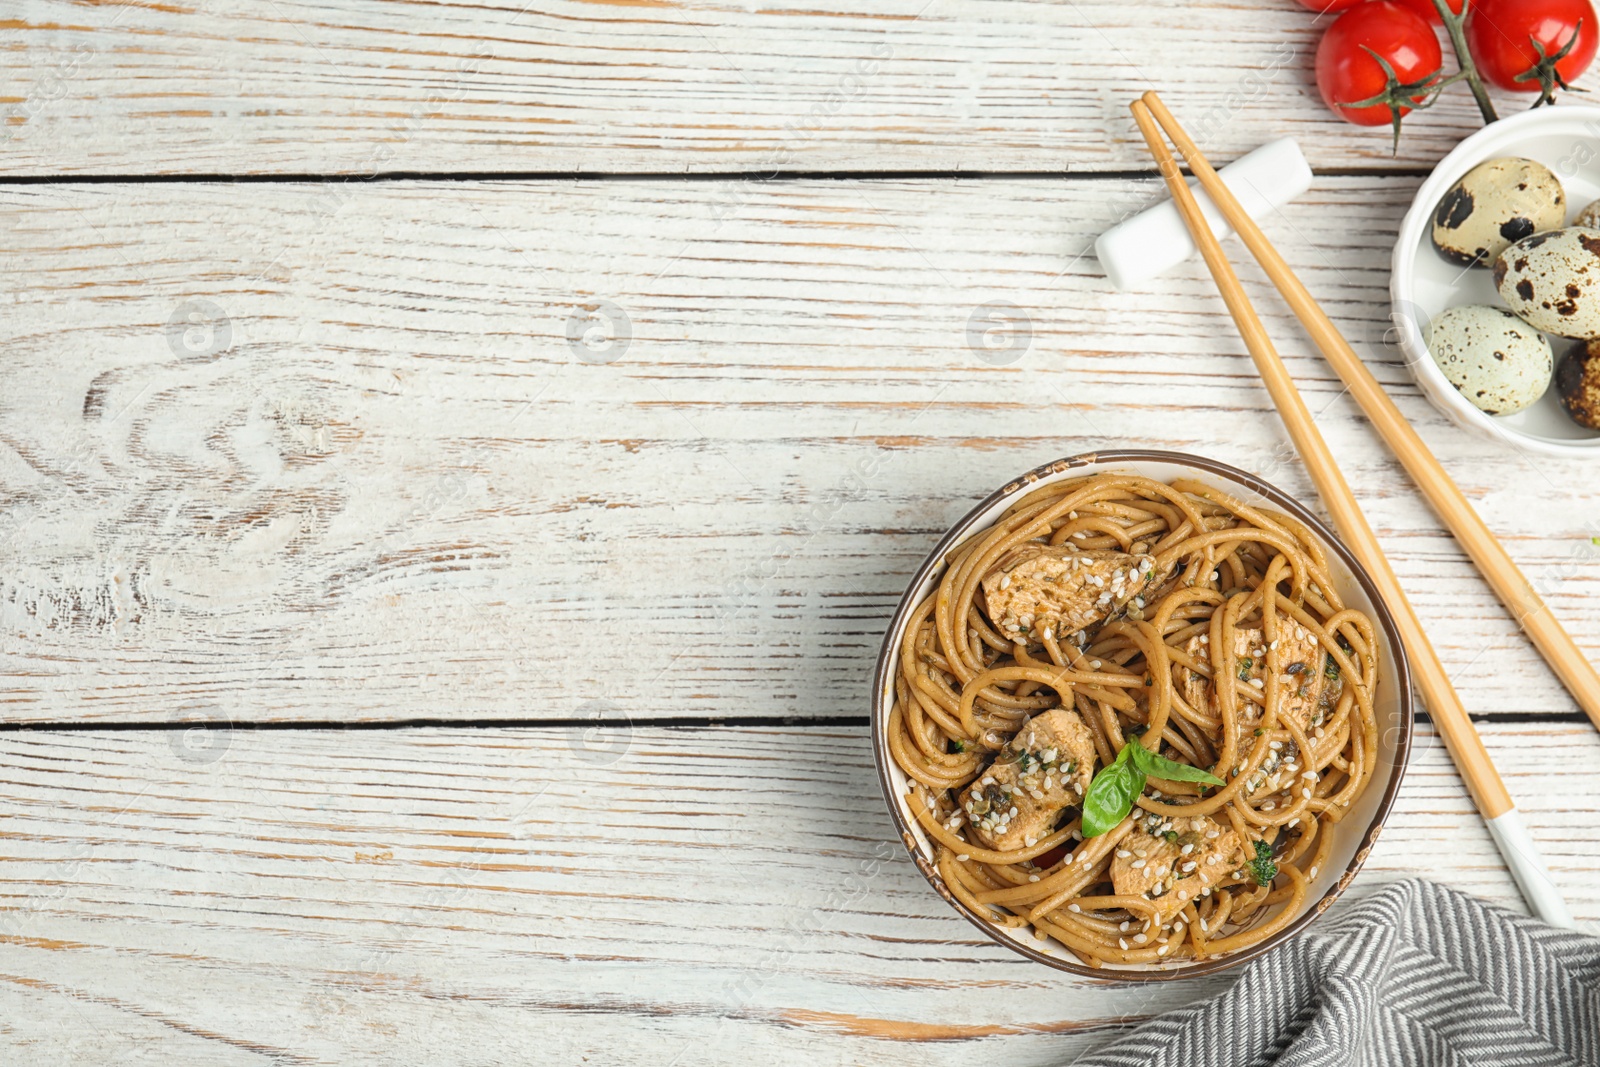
(1419, 975)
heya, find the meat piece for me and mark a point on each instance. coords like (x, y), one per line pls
(1036, 589)
(1173, 861)
(1309, 689)
(1045, 768)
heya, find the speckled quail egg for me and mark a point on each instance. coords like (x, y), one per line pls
(1494, 359)
(1494, 205)
(1578, 383)
(1589, 216)
(1552, 280)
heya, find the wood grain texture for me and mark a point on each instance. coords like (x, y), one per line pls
(362, 86)
(385, 486)
(308, 897)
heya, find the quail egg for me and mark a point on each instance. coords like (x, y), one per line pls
(1589, 216)
(1494, 359)
(1578, 384)
(1553, 281)
(1494, 205)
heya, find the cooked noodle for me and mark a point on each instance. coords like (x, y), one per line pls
(1105, 607)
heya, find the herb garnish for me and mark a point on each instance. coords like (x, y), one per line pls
(1115, 787)
(1244, 668)
(1262, 869)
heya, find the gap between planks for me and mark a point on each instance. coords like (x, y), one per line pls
(701, 177)
(1509, 718)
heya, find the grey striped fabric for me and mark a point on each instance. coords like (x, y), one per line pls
(1417, 975)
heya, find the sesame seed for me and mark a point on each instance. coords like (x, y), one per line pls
(1275, 745)
(1203, 925)
(1312, 873)
(1005, 582)
(1123, 942)
(963, 858)
(1185, 850)
(1033, 877)
(1123, 853)
(1074, 908)
(1137, 864)
(1191, 865)
(1124, 926)
(1306, 793)
(1212, 835)
(1310, 774)
(1066, 859)
(1269, 805)
(1095, 664)
(1162, 951)
(1141, 938)
(1257, 683)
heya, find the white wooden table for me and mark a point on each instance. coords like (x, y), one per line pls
(457, 462)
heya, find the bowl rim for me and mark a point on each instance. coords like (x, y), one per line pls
(1101, 458)
(1441, 394)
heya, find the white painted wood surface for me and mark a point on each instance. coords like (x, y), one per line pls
(554, 463)
(467, 896)
(394, 491)
(364, 86)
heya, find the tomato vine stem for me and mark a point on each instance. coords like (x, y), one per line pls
(1453, 24)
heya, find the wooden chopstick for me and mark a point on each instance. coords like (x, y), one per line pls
(1441, 492)
(1444, 706)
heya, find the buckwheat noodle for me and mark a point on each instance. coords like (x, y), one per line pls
(1109, 606)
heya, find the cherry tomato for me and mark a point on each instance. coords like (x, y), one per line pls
(1501, 36)
(1426, 9)
(1347, 73)
(1331, 5)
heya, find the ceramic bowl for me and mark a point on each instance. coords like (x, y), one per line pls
(1422, 283)
(1355, 835)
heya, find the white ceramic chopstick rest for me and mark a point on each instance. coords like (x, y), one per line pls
(1156, 240)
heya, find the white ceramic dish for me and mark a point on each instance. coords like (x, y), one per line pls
(1566, 139)
(1392, 703)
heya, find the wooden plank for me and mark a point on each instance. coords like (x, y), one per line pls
(328, 897)
(361, 87)
(388, 487)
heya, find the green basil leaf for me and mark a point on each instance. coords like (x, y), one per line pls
(1160, 767)
(1111, 796)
